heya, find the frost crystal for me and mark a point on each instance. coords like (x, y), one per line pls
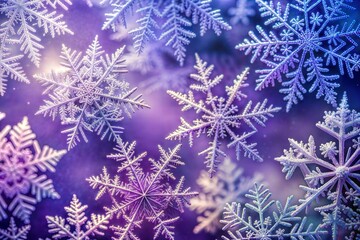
(169, 17)
(309, 38)
(13, 232)
(227, 185)
(90, 95)
(220, 117)
(77, 219)
(138, 195)
(264, 224)
(336, 171)
(23, 17)
(241, 13)
(21, 160)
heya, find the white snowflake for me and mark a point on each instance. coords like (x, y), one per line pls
(310, 39)
(227, 185)
(143, 195)
(336, 170)
(21, 162)
(219, 117)
(13, 232)
(23, 17)
(90, 95)
(83, 228)
(264, 224)
(169, 17)
(241, 13)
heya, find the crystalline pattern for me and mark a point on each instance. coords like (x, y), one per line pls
(228, 185)
(83, 228)
(21, 162)
(13, 232)
(264, 224)
(241, 13)
(172, 18)
(335, 171)
(219, 117)
(139, 195)
(309, 38)
(91, 94)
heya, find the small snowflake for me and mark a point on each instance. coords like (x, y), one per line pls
(143, 196)
(227, 185)
(309, 39)
(23, 17)
(241, 13)
(77, 219)
(264, 224)
(21, 160)
(90, 95)
(220, 117)
(13, 232)
(336, 171)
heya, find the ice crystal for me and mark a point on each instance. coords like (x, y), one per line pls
(227, 185)
(91, 94)
(24, 17)
(219, 117)
(139, 195)
(21, 162)
(309, 38)
(336, 170)
(83, 228)
(168, 20)
(241, 13)
(264, 224)
(13, 232)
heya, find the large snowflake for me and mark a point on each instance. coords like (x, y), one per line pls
(13, 232)
(227, 185)
(139, 195)
(78, 220)
(219, 117)
(23, 17)
(21, 162)
(264, 224)
(309, 38)
(171, 18)
(334, 172)
(91, 94)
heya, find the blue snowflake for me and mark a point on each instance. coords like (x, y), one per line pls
(264, 224)
(333, 174)
(309, 38)
(169, 17)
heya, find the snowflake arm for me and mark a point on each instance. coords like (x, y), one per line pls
(13, 232)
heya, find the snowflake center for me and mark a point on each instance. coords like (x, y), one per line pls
(342, 171)
(309, 39)
(89, 93)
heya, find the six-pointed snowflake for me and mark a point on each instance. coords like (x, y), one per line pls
(171, 18)
(21, 162)
(83, 228)
(308, 41)
(91, 94)
(13, 232)
(265, 224)
(336, 170)
(220, 117)
(241, 13)
(139, 195)
(227, 185)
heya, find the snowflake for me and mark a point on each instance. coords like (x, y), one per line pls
(226, 186)
(306, 42)
(77, 219)
(241, 13)
(336, 170)
(21, 160)
(170, 17)
(143, 195)
(279, 224)
(219, 117)
(90, 95)
(13, 232)
(22, 17)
